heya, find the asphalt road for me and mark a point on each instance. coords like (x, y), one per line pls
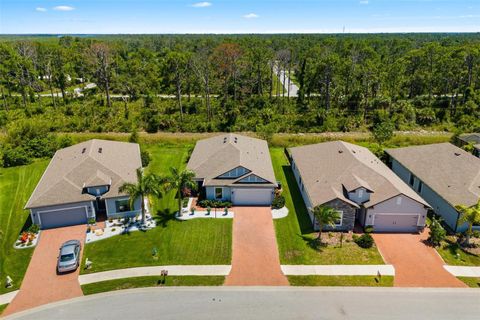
(267, 303)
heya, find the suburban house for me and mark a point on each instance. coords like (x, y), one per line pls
(81, 182)
(443, 174)
(470, 138)
(352, 180)
(235, 168)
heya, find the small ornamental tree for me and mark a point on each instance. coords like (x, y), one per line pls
(437, 233)
(471, 216)
(383, 131)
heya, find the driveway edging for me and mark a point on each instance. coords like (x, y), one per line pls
(339, 270)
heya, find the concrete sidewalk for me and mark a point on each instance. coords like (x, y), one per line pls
(185, 270)
(7, 297)
(338, 270)
(460, 271)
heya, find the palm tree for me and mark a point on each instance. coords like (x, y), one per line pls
(178, 181)
(325, 216)
(147, 185)
(470, 215)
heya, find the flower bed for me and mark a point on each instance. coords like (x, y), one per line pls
(27, 239)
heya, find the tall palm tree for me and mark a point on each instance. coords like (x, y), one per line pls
(178, 181)
(470, 215)
(147, 185)
(325, 216)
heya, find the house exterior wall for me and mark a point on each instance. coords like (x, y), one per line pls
(406, 206)
(359, 195)
(210, 193)
(34, 212)
(348, 216)
(441, 207)
(112, 210)
(303, 192)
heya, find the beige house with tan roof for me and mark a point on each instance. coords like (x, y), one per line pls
(360, 186)
(81, 182)
(235, 168)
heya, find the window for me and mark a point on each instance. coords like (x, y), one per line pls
(360, 193)
(122, 205)
(412, 180)
(218, 193)
(399, 201)
(235, 173)
(339, 221)
(252, 179)
(420, 186)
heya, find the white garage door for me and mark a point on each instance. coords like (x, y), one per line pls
(252, 197)
(63, 218)
(395, 223)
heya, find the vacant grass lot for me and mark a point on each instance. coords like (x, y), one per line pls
(295, 236)
(334, 281)
(471, 282)
(16, 185)
(201, 241)
(142, 282)
(452, 254)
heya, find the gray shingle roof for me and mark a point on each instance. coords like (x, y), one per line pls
(90, 163)
(448, 170)
(470, 138)
(215, 156)
(331, 168)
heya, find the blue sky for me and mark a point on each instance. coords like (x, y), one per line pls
(238, 16)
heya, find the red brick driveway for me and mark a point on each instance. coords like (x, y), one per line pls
(41, 283)
(416, 264)
(255, 259)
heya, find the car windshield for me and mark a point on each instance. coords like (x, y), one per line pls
(66, 257)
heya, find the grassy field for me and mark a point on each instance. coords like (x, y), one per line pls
(201, 241)
(341, 281)
(16, 185)
(3, 307)
(141, 282)
(295, 236)
(452, 254)
(471, 282)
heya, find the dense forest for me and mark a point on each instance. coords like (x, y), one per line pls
(205, 83)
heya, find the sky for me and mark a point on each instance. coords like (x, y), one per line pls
(237, 16)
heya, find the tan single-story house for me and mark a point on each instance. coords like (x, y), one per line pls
(235, 168)
(443, 174)
(360, 186)
(82, 181)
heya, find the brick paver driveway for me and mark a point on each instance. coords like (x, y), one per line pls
(255, 254)
(41, 284)
(416, 264)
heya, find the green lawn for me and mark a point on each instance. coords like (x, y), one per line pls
(16, 185)
(471, 282)
(295, 235)
(151, 281)
(3, 307)
(343, 281)
(201, 241)
(452, 254)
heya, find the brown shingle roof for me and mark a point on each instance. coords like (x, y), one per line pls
(448, 170)
(91, 163)
(331, 168)
(215, 156)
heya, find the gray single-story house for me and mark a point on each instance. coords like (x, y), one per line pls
(235, 168)
(443, 174)
(362, 188)
(476, 150)
(81, 182)
(468, 138)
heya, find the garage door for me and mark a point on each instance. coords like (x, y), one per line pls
(252, 197)
(63, 218)
(395, 223)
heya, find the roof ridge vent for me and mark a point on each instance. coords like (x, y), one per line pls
(83, 150)
(457, 154)
(340, 151)
(100, 150)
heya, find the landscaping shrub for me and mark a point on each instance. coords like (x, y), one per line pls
(214, 204)
(364, 241)
(368, 229)
(146, 158)
(278, 202)
(14, 157)
(437, 233)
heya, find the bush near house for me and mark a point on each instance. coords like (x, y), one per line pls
(364, 241)
(278, 202)
(214, 204)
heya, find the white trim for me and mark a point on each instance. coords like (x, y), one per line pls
(54, 210)
(341, 218)
(397, 214)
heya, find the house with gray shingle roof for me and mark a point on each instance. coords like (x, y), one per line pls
(360, 186)
(235, 168)
(443, 174)
(82, 181)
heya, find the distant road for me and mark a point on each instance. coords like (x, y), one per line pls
(293, 87)
(267, 303)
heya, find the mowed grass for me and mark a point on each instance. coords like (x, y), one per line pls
(341, 281)
(295, 235)
(471, 282)
(200, 241)
(151, 281)
(453, 254)
(3, 307)
(16, 185)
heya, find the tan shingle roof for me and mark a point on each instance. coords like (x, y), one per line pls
(450, 171)
(331, 168)
(73, 168)
(215, 156)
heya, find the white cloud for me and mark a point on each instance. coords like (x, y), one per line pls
(364, 2)
(40, 9)
(63, 8)
(202, 4)
(251, 16)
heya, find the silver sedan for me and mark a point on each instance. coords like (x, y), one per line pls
(69, 257)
